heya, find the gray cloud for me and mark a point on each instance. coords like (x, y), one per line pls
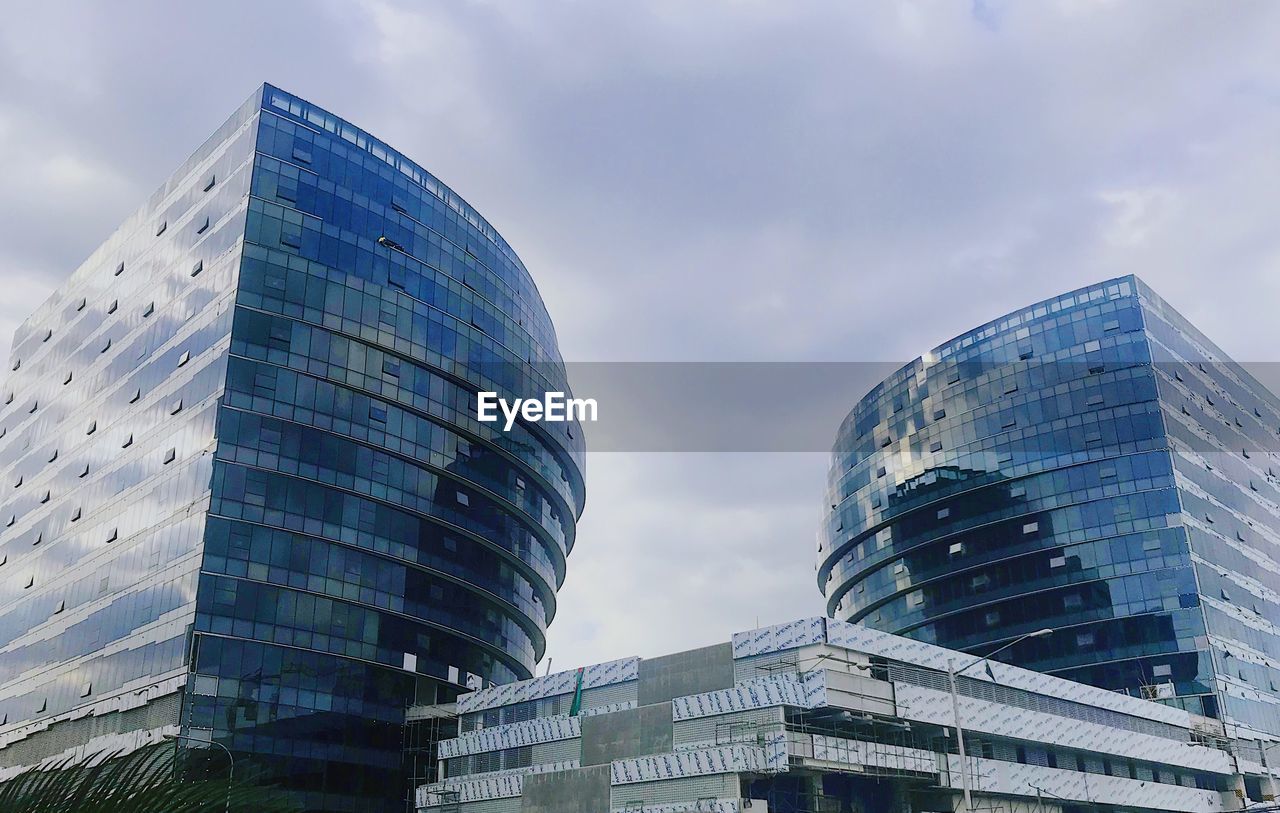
(711, 182)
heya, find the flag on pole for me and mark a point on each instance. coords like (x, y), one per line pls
(576, 705)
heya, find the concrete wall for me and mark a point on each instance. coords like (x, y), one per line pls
(624, 734)
(685, 673)
(581, 790)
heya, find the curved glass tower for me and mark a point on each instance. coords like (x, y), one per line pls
(1091, 464)
(260, 510)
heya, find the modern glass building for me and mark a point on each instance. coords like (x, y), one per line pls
(245, 497)
(1091, 464)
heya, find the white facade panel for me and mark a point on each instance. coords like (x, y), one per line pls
(791, 635)
(495, 785)
(1055, 784)
(804, 691)
(726, 759)
(907, 650)
(601, 674)
(919, 704)
(512, 735)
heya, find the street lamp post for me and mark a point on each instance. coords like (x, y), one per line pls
(955, 719)
(952, 673)
(231, 761)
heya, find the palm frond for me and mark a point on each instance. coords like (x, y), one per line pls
(139, 782)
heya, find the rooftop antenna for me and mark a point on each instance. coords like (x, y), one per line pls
(548, 668)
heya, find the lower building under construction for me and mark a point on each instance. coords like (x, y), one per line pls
(824, 716)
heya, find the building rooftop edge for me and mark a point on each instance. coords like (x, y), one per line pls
(817, 630)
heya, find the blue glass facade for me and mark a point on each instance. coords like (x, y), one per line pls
(1092, 464)
(260, 508)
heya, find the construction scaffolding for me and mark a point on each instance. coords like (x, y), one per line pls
(424, 728)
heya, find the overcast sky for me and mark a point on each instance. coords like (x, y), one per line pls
(711, 181)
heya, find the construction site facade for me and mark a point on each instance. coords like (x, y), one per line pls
(823, 715)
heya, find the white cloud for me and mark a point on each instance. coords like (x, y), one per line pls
(1138, 214)
(713, 181)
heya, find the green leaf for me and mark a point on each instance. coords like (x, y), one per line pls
(144, 781)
